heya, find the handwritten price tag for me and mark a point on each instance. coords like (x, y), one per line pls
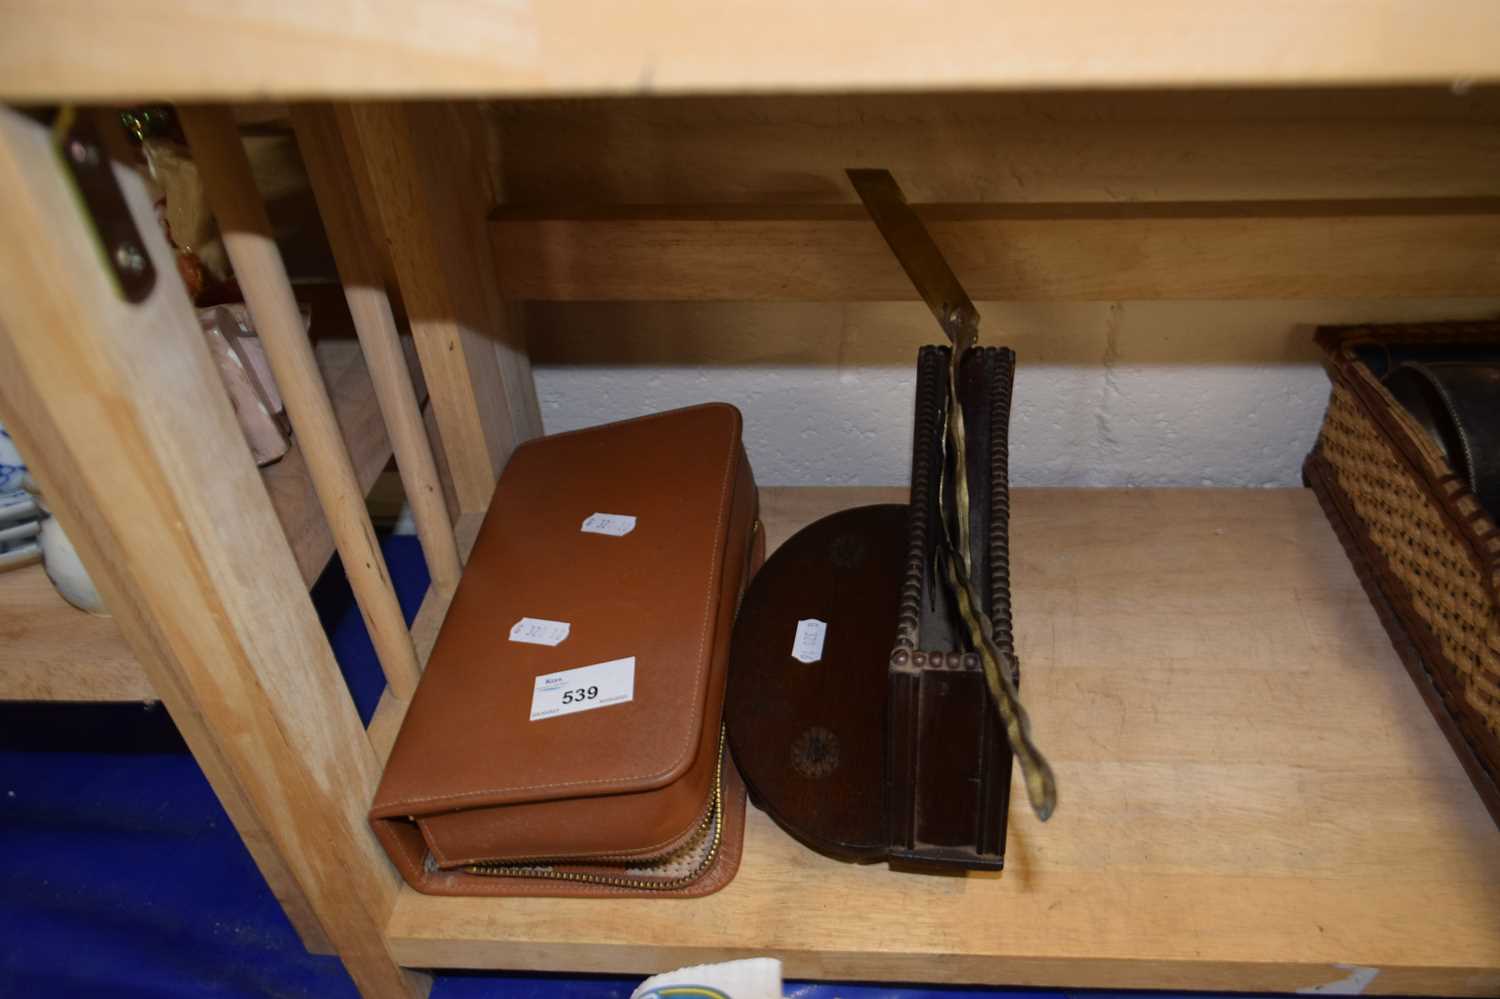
(537, 631)
(807, 646)
(616, 525)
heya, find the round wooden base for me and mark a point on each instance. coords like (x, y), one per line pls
(809, 737)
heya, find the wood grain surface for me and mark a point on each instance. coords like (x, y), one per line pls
(1252, 795)
(52, 651)
(1131, 150)
(1079, 252)
(241, 215)
(137, 448)
(360, 269)
(363, 431)
(76, 49)
(422, 184)
(1028, 148)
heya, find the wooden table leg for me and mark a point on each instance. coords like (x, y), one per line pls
(131, 434)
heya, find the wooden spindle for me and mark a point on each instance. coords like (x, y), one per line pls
(246, 231)
(420, 185)
(333, 183)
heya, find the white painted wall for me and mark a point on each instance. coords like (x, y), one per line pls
(1210, 394)
(1140, 425)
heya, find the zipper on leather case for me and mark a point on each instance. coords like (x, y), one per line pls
(715, 816)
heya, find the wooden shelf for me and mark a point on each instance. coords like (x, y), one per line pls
(75, 51)
(52, 651)
(1253, 795)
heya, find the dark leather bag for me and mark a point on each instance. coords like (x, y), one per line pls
(637, 797)
(1457, 403)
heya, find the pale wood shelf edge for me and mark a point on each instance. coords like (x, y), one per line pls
(73, 51)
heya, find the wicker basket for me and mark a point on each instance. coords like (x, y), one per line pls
(1427, 553)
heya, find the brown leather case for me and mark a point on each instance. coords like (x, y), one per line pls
(634, 798)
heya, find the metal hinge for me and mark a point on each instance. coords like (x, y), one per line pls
(87, 161)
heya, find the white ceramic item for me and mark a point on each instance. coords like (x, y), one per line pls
(19, 516)
(13, 477)
(66, 570)
(28, 531)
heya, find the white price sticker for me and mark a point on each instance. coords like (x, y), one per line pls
(807, 646)
(583, 689)
(616, 525)
(538, 631)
